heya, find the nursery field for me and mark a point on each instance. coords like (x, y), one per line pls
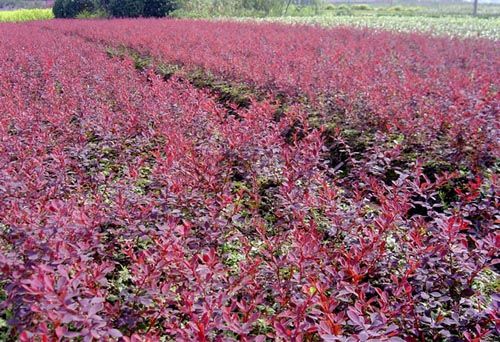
(189, 180)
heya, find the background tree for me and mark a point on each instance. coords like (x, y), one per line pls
(75, 7)
(159, 8)
(287, 6)
(71, 8)
(104, 5)
(317, 5)
(58, 9)
(194, 6)
(265, 6)
(126, 8)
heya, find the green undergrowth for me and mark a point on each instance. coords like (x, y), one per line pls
(231, 95)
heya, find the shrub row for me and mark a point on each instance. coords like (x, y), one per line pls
(438, 95)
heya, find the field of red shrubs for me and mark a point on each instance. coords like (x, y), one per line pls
(175, 180)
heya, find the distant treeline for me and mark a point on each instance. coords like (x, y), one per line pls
(160, 8)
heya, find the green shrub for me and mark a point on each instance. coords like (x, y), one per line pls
(58, 9)
(98, 14)
(115, 8)
(396, 8)
(72, 8)
(159, 8)
(264, 6)
(75, 7)
(361, 7)
(126, 8)
(343, 10)
(103, 4)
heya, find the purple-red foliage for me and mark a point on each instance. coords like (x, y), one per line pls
(134, 209)
(441, 95)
